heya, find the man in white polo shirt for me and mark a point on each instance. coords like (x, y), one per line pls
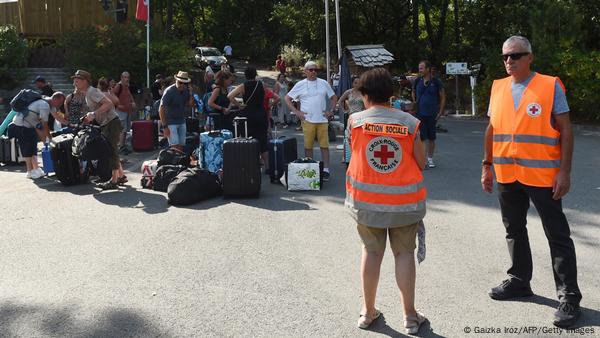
(313, 94)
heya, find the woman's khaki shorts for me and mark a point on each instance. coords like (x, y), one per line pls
(402, 239)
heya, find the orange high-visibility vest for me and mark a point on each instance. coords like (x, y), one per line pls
(526, 147)
(384, 185)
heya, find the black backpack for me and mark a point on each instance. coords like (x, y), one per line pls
(20, 103)
(89, 144)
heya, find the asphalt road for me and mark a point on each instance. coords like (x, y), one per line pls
(77, 262)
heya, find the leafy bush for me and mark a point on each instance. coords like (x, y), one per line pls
(112, 49)
(294, 56)
(13, 54)
(580, 72)
(169, 55)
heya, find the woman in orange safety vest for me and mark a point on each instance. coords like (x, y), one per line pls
(385, 192)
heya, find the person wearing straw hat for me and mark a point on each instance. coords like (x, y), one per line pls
(174, 106)
(102, 110)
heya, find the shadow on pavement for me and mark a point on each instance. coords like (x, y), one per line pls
(13, 168)
(28, 320)
(589, 317)
(53, 185)
(381, 326)
(272, 203)
(151, 203)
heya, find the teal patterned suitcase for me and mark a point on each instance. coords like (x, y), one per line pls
(211, 149)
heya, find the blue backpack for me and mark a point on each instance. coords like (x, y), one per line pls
(206, 108)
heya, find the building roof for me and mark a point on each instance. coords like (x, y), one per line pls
(370, 55)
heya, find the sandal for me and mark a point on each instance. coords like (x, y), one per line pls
(364, 321)
(412, 324)
(108, 185)
(122, 180)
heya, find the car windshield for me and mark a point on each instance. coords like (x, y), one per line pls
(210, 52)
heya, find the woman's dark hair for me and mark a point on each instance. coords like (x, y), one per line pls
(221, 76)
(377, 84)
(280, 75)
(103, 84)
(250, 73)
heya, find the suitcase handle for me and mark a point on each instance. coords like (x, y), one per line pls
(238, 120)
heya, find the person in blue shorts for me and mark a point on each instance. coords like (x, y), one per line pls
(430, 100)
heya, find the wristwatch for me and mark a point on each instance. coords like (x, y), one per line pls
(486, 163)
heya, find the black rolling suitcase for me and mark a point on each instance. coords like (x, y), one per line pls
(282, 150)
(68, 168)
(241, 163)
(10, 153)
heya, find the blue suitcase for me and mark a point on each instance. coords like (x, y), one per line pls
(282, 150)
(211, 149)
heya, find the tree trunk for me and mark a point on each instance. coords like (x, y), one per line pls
(169, 25)
(456, 30)
(415, 26)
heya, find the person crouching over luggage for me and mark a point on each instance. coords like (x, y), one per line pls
(102, 110)
(385, 192)
(27, 129)
(174, 108)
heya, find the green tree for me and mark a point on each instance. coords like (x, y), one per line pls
(13, 54)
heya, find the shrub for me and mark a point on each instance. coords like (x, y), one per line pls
(13, 54)
(112, 49)
(294, 56)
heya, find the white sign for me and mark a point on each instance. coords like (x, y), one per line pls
(457, 68)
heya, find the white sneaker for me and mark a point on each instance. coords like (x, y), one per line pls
(29, 174)
(37, 173)
(430, 163)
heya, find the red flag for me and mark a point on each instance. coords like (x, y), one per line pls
(141, 12)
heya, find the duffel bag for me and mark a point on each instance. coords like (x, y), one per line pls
(193, 185)
(164, 175)
(173, 156)
(89, 144)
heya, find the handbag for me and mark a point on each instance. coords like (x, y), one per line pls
(243, 105)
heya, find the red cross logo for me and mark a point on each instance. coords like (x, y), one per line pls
(533, 110)
(383, 154)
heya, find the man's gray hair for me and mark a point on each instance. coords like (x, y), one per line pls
(310, 64)
(520, 40)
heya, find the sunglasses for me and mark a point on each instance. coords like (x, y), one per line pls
(312, 70)
(514, 56)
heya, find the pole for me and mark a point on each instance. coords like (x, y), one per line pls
(339, 33)
(148, 48)
(327, 61)
(473, 82)
(457, 100)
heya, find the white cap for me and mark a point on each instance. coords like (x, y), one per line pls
(310, 64)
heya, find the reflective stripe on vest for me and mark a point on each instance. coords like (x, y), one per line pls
(550, 141)
(385, 189)
(528, 163)
(526, 146)
(385, 207)
(383, 175)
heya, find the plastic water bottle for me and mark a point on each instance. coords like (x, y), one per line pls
(47, 164)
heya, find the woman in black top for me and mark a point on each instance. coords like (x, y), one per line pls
(219, 102)
(253, 93)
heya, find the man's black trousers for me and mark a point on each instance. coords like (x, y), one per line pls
(514, 203)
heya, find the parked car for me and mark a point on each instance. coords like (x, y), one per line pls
(209, 56)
